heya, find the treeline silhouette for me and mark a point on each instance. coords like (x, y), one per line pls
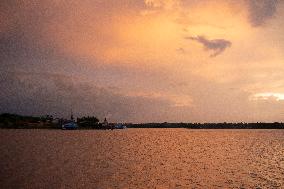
(257, 125)
(18, 121)
(8, 120)
(91, 122)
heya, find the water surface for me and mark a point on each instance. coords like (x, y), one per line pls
(142, 158)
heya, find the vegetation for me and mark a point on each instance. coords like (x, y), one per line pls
(18, 121)
(91, 122)
(224, 125)
(88, 122)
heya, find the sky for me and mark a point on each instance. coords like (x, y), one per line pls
(144, 60)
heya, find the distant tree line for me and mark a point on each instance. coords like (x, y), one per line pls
(88, 122)
(257, 125)
(91, 122)
(18, 121)
(8, 120)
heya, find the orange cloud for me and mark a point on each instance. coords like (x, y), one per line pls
(148, 39)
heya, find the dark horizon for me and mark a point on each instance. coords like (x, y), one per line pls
(92, 122)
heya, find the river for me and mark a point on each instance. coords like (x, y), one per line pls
(141, 158)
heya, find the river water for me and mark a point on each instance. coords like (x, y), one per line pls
(142, 158)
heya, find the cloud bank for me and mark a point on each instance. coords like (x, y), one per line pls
(138, 48)
(45, 93)
(261, 10)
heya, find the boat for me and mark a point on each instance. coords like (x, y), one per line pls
(120, 126)
(69, 125)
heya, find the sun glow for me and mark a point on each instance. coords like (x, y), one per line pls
(268, 96)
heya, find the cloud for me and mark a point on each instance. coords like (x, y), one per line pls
(164, 4)
(261, 10)
(216, 45)
(108, 43)
(47, 93)
(268, 96)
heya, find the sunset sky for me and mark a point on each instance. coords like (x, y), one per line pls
(144, 60)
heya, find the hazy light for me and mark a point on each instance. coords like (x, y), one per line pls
(267, 96)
